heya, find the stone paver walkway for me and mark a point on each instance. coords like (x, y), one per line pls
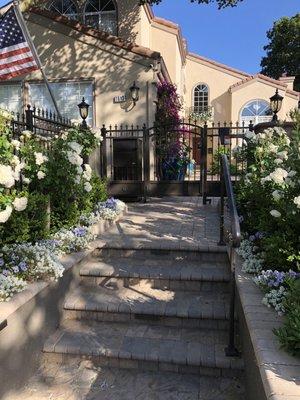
(85, 381)
(177, 222)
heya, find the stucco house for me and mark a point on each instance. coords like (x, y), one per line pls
(98, 48)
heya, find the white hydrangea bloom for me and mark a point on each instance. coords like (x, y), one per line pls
(25, 180)
(26, 135)
(40, 158)
(275, 213)
(16, 144)
(278, 161)
(76, 147)
(5, 214)
(87, 175)
(6, 176)
(88, 187)
(279, 175)
(20, 203)
(276, 195)
(74, 158)
(283, 155)
(41, 175)
(297, 201)
(273, 148)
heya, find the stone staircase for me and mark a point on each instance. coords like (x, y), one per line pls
(149, 310)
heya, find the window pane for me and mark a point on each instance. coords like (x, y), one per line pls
(68, 95)
(201, 98)
(11, 98)
(101, 14)
(64, 7)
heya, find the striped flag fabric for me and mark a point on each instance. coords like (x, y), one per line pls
(16, 57)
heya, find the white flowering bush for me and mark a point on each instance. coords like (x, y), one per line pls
(269, 207)
(269, 196)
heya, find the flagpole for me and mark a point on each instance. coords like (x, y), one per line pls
(25, 30)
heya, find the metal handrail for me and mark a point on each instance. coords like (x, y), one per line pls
(235, 241)
(226, 183)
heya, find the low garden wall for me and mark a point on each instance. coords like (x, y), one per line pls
(32, 315)
(271, 373)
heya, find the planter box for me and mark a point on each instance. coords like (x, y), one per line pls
(271, 373)
(31, 316)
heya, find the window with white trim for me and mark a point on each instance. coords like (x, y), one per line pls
(11, 97)
(64, 7)
(101, 14)
(67, 94)
(200, 98)
(256, 111)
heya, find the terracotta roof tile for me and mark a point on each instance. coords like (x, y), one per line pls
(217, 64)
(106, 37)
(166, 22)
(262, 77)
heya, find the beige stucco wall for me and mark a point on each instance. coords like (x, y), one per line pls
(70, 55)
(259, 90)
(218, 82)
(165, 41)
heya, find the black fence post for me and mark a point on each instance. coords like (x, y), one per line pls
(204, 165)
(146, 161)
(222, 205)
(29, 118)
(103, 153)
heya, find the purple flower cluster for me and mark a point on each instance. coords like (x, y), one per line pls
(16, 269)
(111, 203)
(80, 231)
(257, 236)
(274, 279)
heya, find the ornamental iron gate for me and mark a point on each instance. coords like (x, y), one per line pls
(181, 160)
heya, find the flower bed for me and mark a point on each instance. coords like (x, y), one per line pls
(47, 194)
(26, 262)
(269, 204)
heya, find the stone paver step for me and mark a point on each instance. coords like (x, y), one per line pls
(176, 268)
(86, 380)
(145, 347)
(141, 301)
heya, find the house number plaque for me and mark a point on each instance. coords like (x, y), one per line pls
(120, 99)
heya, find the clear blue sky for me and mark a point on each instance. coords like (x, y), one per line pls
(233, 36)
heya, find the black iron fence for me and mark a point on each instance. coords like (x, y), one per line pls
(175, 160)
(44, 125)
(41, 122)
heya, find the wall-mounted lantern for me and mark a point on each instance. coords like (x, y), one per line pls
(135, 93)
(276, 104)
(84, 112)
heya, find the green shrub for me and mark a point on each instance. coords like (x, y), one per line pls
(16, 229)
(38, 216)
(289, 334)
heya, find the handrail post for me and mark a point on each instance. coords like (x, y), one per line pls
(231, 350)
(204, 163)
(222, 206)
(146, 177)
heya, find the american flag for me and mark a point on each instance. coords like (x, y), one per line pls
(16, 57)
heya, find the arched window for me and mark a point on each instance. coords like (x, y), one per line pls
(200, 98)
(101, 14)
(64, 7)
(256, 111)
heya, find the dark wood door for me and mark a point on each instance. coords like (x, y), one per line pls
(127, 160)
